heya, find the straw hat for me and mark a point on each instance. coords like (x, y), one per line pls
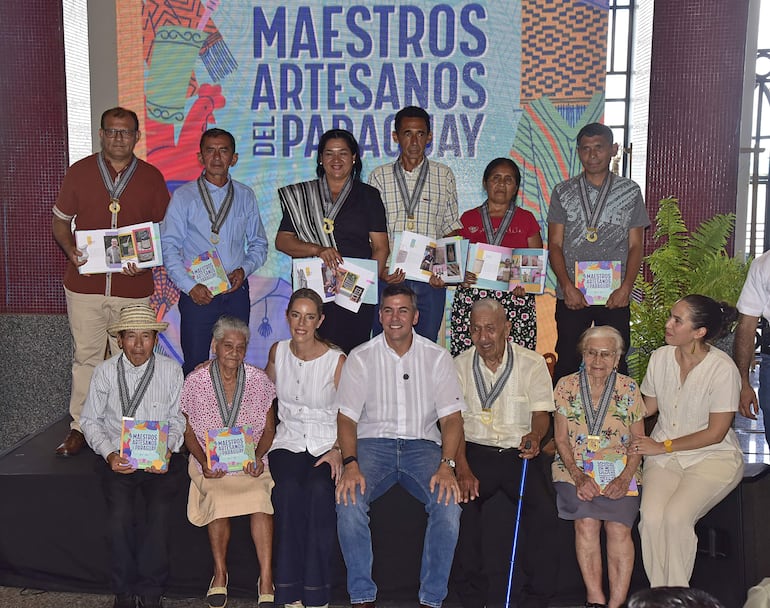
(138, 317)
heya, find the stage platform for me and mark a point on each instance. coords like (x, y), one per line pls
(53, 536)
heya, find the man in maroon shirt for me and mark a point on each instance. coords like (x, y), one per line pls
(106, 190)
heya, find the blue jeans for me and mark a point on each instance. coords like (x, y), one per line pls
(410, 463)
(764, 392)
(431, 303)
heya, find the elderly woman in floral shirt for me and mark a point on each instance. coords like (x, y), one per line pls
(598, 411)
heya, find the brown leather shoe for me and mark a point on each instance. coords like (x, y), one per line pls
(364, 605)
(72, 444)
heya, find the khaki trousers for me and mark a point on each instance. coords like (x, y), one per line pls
(673, 500)
(89, 317)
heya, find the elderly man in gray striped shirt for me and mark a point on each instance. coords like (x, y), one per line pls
(142, 385)
(393, 391)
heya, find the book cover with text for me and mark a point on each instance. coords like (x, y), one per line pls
(597, 280)
(207, 269)
(230, 448)
(145, 443)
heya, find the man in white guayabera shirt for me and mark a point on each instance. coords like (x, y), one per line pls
(393, 391)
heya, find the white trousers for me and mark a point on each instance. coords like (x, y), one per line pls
(673, 500)
(89, 317)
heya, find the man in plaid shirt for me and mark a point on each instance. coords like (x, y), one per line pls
(419, 196)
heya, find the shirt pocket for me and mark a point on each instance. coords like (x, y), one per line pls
(516, 411)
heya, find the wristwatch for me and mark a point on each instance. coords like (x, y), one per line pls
(449, 461)
(346, 461)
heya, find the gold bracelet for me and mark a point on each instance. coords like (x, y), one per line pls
(667, 444)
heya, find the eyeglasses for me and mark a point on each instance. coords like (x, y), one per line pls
(604, 355)
(508, 180)
(124, 133)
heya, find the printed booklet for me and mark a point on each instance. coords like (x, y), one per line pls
(505, 269)
(145, 443)
(230, 448)
(597, 280)
(354, 283)
(207, 269)
(420, 257)
(606, 465)
(112, 250)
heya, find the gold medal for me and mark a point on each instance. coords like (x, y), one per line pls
(593, 443)
(114, 205)
(410, 223)
(328, 225)
(214, 238)
(592, 235)
(486, 417)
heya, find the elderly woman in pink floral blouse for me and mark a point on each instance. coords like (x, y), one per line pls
(228, 393)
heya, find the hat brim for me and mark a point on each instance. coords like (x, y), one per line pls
(113, 330)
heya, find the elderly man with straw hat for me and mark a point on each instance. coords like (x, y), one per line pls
(145, 386)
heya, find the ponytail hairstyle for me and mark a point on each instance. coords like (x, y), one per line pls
(715, 317)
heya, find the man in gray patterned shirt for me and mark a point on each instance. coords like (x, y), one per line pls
(596, 216)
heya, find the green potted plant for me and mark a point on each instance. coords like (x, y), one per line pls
(683, 262)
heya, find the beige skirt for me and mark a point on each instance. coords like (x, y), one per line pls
(229, 496)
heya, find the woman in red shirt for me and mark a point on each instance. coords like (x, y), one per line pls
(498, 221)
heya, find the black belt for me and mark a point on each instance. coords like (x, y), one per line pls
(491, 448)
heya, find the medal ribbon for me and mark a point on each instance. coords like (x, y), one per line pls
(129, 404)
(410, 202)
(595, 419)
(115, 188)
(331, 207)
(496, 237)
(229, 415)
(216, 218)
(487, 397)
(592, 217)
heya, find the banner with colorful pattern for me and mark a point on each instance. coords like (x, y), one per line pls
(277, 75)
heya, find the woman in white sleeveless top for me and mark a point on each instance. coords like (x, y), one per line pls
(305, 460)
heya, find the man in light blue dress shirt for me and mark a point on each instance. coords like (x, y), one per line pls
(214, 213)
